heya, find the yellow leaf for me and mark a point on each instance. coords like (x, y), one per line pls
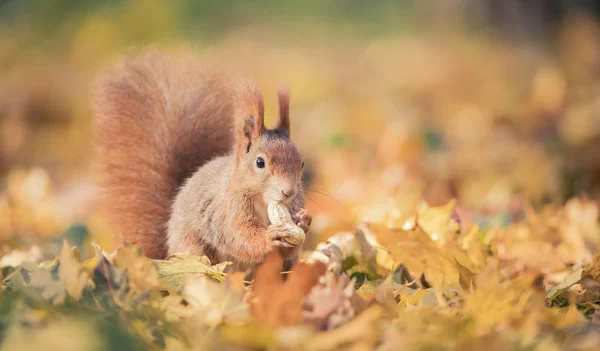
(363, 328)
(71, 273)
(437, 222)
(143, 273)
(175, 269)
(213, 303)
(408, 297)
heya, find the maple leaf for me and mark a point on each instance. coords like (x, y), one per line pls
(36, 282)
(329, 303)
(278, 302)
(213, 303)
(422, 255)
(438, 222)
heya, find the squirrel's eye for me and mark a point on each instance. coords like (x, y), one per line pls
(302, 165)
(260, 163)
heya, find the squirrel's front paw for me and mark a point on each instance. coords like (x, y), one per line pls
(303, 219)
(286, 239)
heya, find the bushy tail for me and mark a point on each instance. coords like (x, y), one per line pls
(158, 118)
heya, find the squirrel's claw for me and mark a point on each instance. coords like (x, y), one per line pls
(282, 243)
(279, 234)
(303, 219)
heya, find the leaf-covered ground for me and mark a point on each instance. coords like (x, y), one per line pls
(453, 178)
(416, 281)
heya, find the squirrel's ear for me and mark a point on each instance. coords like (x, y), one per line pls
(283, 118)
(250, 113)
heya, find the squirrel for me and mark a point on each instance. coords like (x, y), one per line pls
(186, 164)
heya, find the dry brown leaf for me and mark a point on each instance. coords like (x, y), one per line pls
(276, 302)
(329, 303)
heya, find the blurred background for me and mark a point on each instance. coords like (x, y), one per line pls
(494, 103)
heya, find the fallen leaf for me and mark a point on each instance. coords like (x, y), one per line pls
(212, 303)
(362, 329)
(368, 288)
(465, 276)
(412, 297)
(276, 302)
(71, 273)
(329, 303)
(175, 269)
(236, 281)
(438, 222)
(558, 289)
(142, 272)
(19, 256)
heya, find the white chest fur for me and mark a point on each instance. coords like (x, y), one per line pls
(260, 209)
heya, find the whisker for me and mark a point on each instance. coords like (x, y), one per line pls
(323, 193)
(337, 202)
(315, 202)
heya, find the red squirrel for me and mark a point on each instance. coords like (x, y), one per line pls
(186, 164)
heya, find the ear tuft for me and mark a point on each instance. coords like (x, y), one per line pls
(283, 120)
(249, 113)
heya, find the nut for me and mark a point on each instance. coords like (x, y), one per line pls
(279, 215)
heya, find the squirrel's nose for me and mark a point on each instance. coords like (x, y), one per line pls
(287, 192)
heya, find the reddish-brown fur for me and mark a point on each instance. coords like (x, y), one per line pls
(177, 151)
